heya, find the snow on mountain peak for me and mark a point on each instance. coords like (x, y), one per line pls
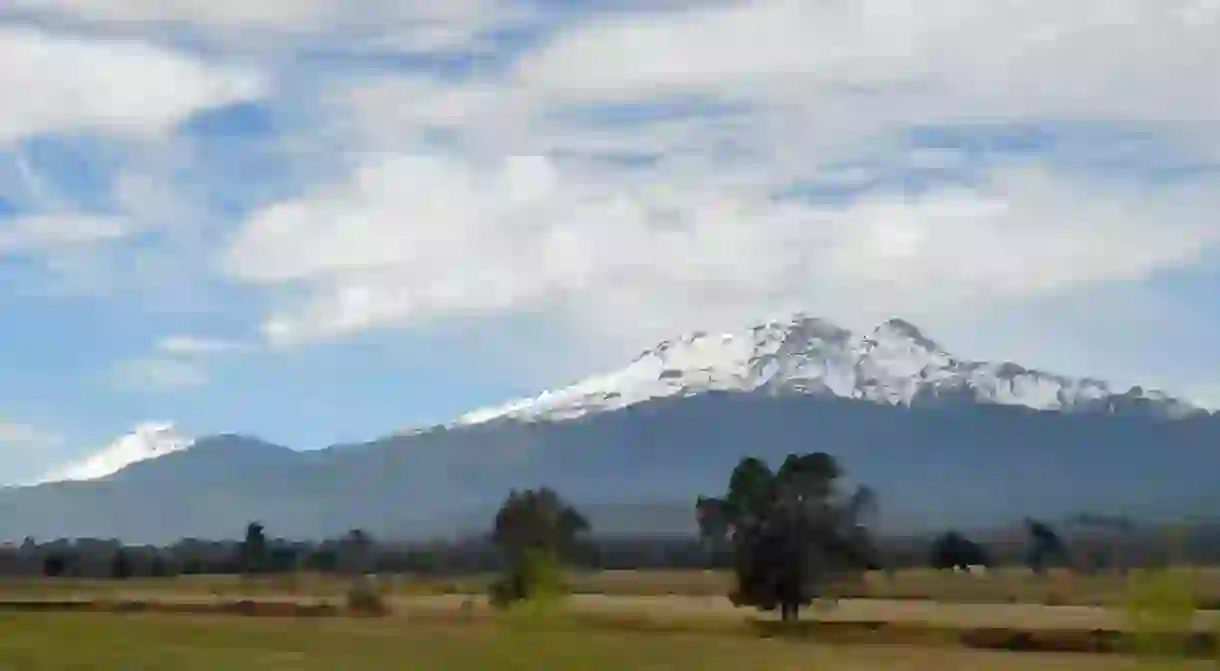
(894, 364)
(146, 441)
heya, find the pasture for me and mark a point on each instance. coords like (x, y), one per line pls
(63, 642)
(614, 620)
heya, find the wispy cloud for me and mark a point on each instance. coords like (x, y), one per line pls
(943, 57)
(25, 435)
(69, 83)
(196, 346)
(154, 374)
(176, 362)
(282, 25)
(621, 256)
(40, 233)
(640, 196)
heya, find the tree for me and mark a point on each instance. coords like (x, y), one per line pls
(120, 565)
(534, 530)
(952, 550)
(158, 567)
(322, 559)
(1044, 544)
(254, 549)
(55, 565)
(793, 531)
(356, 550)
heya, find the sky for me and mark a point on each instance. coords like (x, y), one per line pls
(322, 221)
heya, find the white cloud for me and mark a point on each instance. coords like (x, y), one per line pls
(46, 232)
(413, 238)
(61, 83)
(375, 24)
(224, 13)
(148, 440)
(25, 435)
(694, 240)
(1208, 397)
(185, 345)
(155, 373)
(959, 58)
(176, 362)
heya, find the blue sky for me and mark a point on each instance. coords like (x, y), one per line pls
(323, 221)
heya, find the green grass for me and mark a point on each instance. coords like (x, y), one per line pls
(138, 642)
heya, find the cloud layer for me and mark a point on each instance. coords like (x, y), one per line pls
(642, 191)
(301, 173)
(62, 83)
(518, 237)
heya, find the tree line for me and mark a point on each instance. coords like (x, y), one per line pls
(784, 533)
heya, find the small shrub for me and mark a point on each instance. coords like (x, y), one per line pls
(366, 597)
(1056, 596)
(1160, 611)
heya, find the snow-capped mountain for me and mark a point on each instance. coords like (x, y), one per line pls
(893, 364)
(146, 441)
(980, 459)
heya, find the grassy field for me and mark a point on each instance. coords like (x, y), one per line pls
(64, 642)
(1002, 586)
(636, 620)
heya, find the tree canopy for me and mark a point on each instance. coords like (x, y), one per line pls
(538, 520)
(953, 550)
(534, 529)
(792, 530)
(254, 548)
(1044, 545)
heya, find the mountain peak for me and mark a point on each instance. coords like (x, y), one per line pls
(898, 328)
(895, 363)
(148, 440)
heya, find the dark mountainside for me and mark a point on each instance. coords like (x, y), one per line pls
(639, 469)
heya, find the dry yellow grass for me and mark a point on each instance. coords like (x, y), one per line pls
(998, 587)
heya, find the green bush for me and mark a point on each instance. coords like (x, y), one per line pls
(1160, 611)
(534, 578)
(366, 596)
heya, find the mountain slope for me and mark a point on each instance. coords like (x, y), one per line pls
(894, 364)
(944, 442)
(963, 466)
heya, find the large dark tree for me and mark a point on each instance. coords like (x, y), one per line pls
(120, 565)
(793, 530)
(55, 565)
(954, 551)
(535, 530)
(356, 549)
(1044, 545)
(254, 549)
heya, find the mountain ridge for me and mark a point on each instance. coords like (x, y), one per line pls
(895, 363)
(938, 459)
